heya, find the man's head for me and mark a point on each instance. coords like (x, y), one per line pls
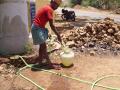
(55, 3)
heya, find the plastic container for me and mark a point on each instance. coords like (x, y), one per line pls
(67, 58)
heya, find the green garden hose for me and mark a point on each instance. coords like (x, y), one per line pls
(18, 73)
(63, 75)
(104, 78)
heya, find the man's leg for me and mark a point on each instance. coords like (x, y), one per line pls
(43, 52)
(44, 55)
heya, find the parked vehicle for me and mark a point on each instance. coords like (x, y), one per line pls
(68, 15)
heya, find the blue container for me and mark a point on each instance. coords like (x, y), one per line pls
(32, 10)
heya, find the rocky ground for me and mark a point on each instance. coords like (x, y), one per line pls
(101, 38)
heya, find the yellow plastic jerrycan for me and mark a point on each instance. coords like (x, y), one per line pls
(67, 57)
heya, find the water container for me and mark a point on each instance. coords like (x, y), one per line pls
(67, 57)
(13, 26)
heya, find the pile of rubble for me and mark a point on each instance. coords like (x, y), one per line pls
(7, 69)
(117, 11)
(103, 35)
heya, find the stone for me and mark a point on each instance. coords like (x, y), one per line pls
(4, 60)
(111, 31)
(70, 43)
(92, 53)
(95, 48)
(1, 69)
(4, 66)
(117, 46)
(82, 33)
(97, 35)
(28, 88)
(91, 44)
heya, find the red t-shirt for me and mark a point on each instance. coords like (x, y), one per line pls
(43, 16)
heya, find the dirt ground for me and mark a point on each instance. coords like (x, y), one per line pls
(89, 68)
(85, 67)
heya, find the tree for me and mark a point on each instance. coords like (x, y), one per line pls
(75, 2)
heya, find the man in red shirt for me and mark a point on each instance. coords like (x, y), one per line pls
(40, 33)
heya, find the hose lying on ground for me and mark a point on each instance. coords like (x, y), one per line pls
(63, 75)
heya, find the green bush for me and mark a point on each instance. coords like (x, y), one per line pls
(103, 4)
(86, 3)
(75, 2)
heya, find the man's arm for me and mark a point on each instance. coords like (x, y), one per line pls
(54, 30)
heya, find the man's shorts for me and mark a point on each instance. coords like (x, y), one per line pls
(39, 35)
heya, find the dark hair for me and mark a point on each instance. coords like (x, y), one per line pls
(51, 1)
